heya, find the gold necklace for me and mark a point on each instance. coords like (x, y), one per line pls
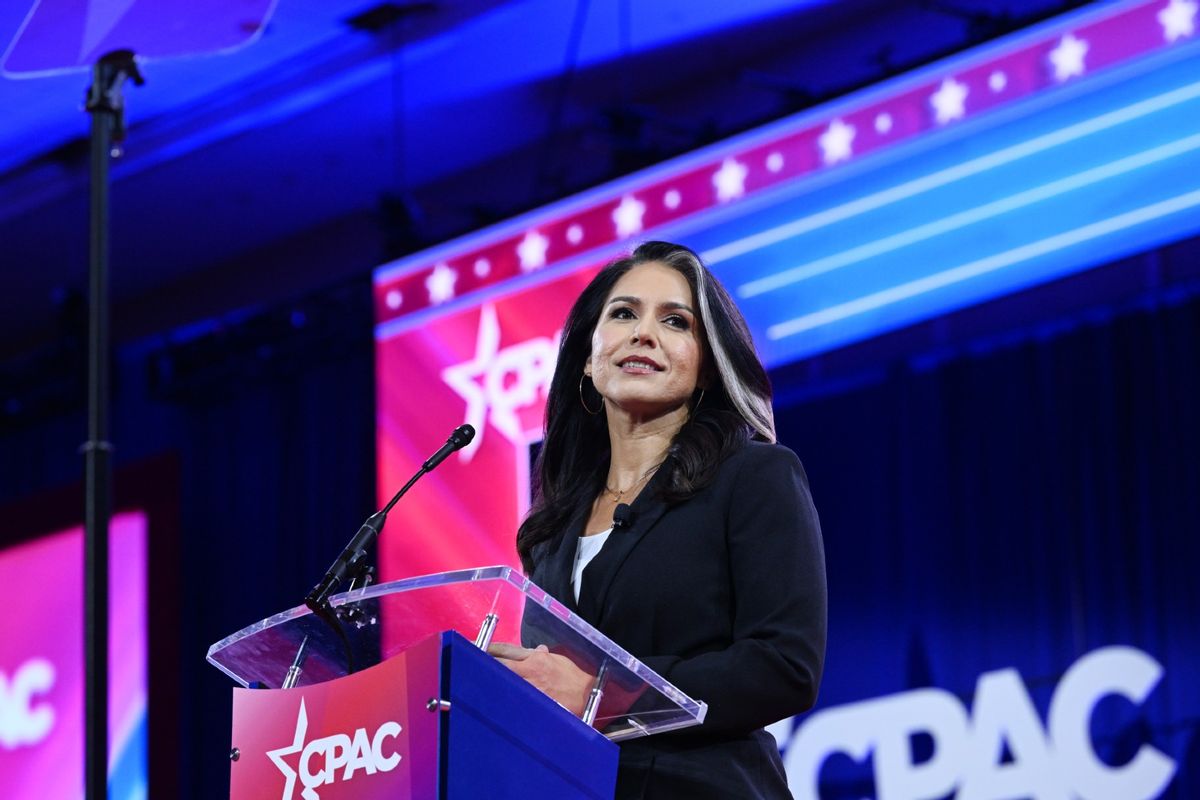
(617, 495)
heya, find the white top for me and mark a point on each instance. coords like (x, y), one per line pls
(585, 551)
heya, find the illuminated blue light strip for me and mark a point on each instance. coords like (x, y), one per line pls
(982, 266)
(970, 216)
(940, 178)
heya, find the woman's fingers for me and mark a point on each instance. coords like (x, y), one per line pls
(554, 675)
(512, 652)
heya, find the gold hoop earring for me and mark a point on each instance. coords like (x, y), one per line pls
(583, 402)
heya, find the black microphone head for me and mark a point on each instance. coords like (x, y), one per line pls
(622, 516)
(462, 436)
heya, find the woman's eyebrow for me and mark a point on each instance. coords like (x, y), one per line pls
(626, 299)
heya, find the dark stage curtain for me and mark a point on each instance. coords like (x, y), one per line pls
(1019, 504)
(277, 475)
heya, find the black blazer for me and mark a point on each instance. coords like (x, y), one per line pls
(724, 596)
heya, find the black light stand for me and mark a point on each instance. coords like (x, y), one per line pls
(107, 106)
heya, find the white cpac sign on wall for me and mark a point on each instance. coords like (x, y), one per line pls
(1055, 762)
(23, 720)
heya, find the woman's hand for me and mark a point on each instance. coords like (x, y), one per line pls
(556, 676)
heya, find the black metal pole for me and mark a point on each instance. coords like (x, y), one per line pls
(105, 104)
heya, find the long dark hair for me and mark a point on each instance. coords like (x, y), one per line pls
(736, 404)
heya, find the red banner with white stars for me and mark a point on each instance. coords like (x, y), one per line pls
(871, 121)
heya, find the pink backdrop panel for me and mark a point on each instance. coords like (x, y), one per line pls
(489, 365)
(41, 658)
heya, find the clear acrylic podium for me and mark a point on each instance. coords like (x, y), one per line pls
(403, 631)
(483, 605)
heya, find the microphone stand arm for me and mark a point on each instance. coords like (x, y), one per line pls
(354, 556)
(355, 553)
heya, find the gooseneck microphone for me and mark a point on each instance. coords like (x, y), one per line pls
(355, 553)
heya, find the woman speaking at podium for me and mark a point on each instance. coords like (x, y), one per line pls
(672, 521)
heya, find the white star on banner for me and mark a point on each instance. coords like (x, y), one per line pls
(628, 216)
(883, 123)
(775, 161)
(575, 234)
(672, 198)
(1178, 19)
(997, 81)
(440, 284)
(394, 299)
(1068, 57)
(462, 378)
(483, 267)
(949, 101)
(296, 746)
(532, 251)
(836, 142)
(730, 180)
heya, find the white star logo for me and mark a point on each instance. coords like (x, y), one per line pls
(575, 234)
(775, 161)
(836, 142)
(672, 198)
(883, 123)
(1068, 57)
(483, 267)
(462, 378)
(997, 81)
(1178, 19)
(497, 384)
(440, 283)
(730, 180)
(394, 299)
(949, 101)
(296, 746)
(628, 216)
(532, 251)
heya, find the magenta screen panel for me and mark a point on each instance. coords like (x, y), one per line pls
(41, 665)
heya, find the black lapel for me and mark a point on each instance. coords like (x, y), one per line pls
(598, 575)
(556, 577)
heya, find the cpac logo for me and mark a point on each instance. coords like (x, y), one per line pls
(497, 383)
(321, 758)
(22, 722)
(1055, 763)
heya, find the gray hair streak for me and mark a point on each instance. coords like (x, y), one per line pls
(753, 407)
